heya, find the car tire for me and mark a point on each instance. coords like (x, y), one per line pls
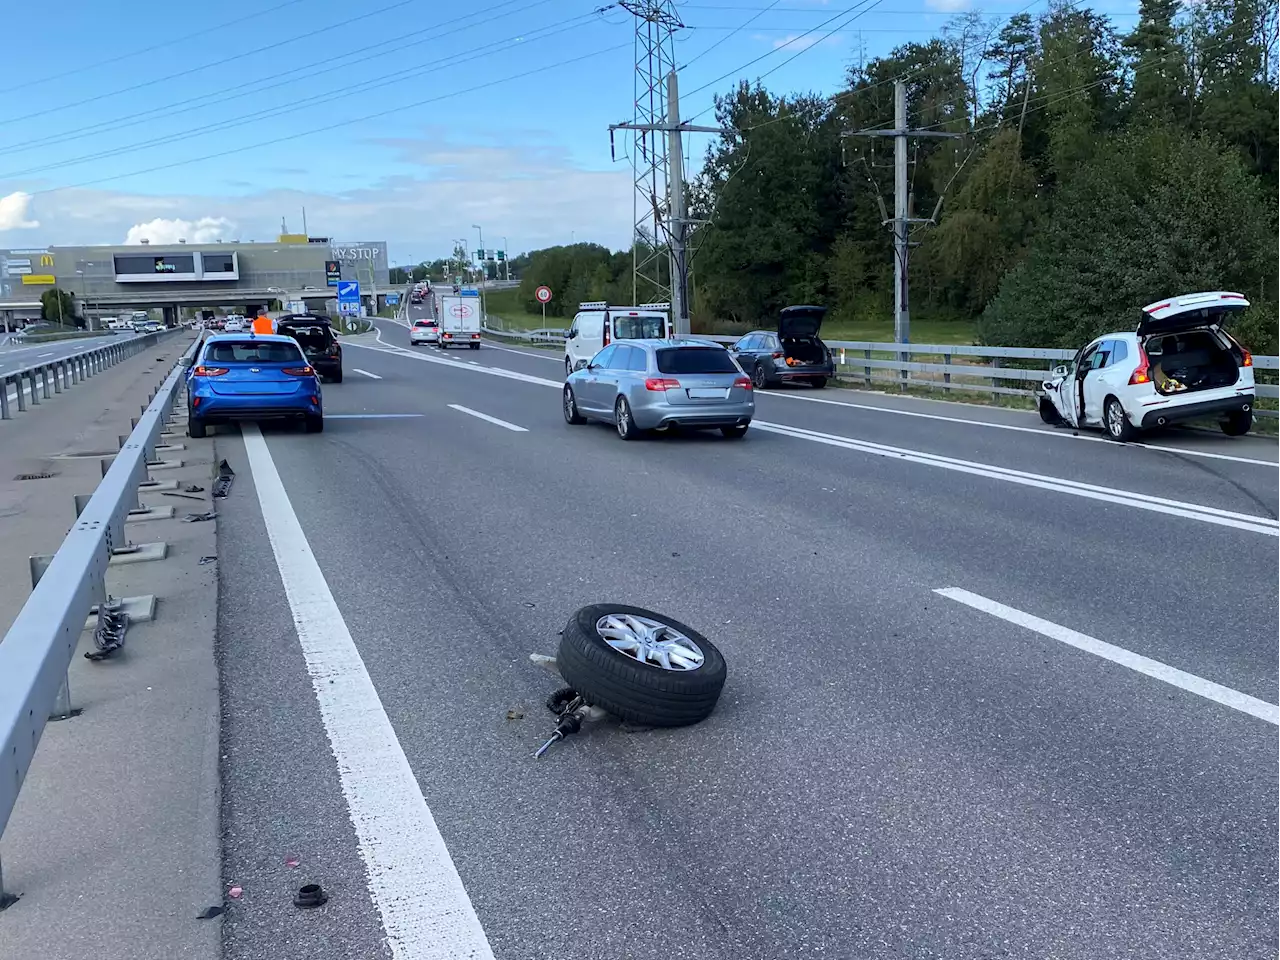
(568, 367)
(1116, 422)
(475, 346)
(640, 690)
(623, 421)
(758, 378)
(733, 433)
(1238, 423)
(819, 382)
(1049, 413)
(196, 428)
(337, 377)
(315, 424)
(570, 406)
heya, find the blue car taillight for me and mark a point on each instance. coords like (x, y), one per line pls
(299, 371)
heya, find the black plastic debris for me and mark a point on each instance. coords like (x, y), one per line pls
(108, 635)
(197, 517)
(194, 487)
(226, 476)
(204, 560)
(309, 896)
(211, 912)
(184, 496)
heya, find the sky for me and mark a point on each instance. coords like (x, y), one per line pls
(384, 119)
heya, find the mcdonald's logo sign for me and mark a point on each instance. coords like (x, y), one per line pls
(46, 259)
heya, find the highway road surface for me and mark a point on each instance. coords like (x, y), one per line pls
(994, 691)
(16, 356)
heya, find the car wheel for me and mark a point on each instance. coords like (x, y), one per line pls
(315, 424)
(819, 382)
(571, 414)
(734, 433)
(196, 428)
(1049, 413)
(1117, 424)
(758, 378)
(337, 377)
(1237, 424)
(623, 420)
(475, 346)
(568, 366)
(640, 665)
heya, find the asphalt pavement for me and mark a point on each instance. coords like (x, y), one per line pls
(994, 690)
(15, 356)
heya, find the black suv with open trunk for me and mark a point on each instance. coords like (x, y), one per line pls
(791, 354)
(315, 335)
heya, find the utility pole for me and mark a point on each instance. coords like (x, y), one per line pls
(676, 225)
(902, 219)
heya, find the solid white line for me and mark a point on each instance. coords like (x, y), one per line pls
(371, 376)
(41, 356)
(426, 912)
(1042, 431)
(484, 416)
(540, 354)
(1127, 498)
(1226, 696)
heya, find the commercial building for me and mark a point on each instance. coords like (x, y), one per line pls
(217, 276)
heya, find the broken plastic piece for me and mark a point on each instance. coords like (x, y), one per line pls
(310, 895)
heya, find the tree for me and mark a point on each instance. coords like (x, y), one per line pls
(58, 306)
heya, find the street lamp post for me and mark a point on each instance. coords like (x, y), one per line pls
(506, 260)
(484, 272)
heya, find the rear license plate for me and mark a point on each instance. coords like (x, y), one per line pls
(708, 394)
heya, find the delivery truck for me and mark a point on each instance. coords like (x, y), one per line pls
(459, 322)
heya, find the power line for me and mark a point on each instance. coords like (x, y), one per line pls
(133, 119)
(269, 48)
(733, 32)
(328, 128)
(327, 97)
(151, 49)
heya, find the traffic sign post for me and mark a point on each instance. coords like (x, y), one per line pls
(543, 296)
(349, 298)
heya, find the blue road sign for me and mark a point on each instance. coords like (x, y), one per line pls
(349, 291)
(348, 308)
(470, 292)
(393, 298)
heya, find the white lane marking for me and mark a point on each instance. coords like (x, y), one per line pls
(1126, 498)
(41, 356)
(372, 416)
(474, 363)
(484, 416)
(371, 376)
(426, 912)
(1216, 692)
(540, 354)
(1042, 431)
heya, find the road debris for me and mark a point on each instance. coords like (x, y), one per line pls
(226, 476)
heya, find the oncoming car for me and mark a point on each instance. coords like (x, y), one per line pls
(248, 377)
(1178, 365)
(643, 385)
(424, 331)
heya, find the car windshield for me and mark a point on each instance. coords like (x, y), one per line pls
(695, 360)
(253, 351)
(650, 327)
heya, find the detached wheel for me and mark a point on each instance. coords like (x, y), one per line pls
(1118, 426)
(1237, 424)
(640, 665)
(570, 405)
(1049, 413)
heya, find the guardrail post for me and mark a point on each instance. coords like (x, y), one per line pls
(62, 709)
(4, 415)
(866, 371)
(53, 373)
(35, 390)
(22, 400)
(995, 362)
(946, 374)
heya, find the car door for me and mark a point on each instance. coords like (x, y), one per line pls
(1095, 381)
(588, 391)
(612, 372)
(744, 352)
(1069, 393)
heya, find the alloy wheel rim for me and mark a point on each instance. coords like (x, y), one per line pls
(650, 642)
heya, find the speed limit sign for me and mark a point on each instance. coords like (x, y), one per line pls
(543, 294)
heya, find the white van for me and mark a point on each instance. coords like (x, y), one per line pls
(597, 325)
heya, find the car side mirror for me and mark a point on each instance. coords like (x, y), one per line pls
(185, 361)
(1061, 370)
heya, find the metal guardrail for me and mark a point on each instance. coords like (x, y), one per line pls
(36, 653)
(43, 380)
(860, 360)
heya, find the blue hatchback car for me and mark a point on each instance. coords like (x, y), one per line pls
(243, 376)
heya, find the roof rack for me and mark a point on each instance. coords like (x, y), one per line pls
(655, 306)
(594, 305)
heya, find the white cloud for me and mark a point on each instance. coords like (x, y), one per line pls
(526, 196)
(15, 210)
(163, 230)
(948, 6)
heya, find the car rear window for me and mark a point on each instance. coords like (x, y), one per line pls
(695, 360)
(651, 327)
(253, 351)
(424, 323)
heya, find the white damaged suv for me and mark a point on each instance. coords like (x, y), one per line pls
(1178, 365)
